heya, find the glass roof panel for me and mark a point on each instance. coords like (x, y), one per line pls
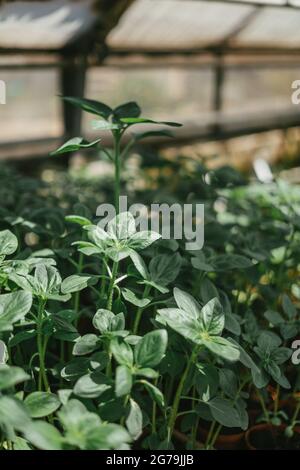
(43, 25)
(274, 27)
(176, 24)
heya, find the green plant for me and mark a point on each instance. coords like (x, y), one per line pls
(95, 350)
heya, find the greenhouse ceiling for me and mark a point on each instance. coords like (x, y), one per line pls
(181, 26)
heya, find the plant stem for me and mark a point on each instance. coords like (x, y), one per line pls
(176, 403)
(154, 407)
(140, 310)
(111, 285)
(196, 424)
(210, 433)
(215, 437)
(42, 371)
(295, 415)
(77, 294)
(263, 405)
(117, 140)
(276, 402)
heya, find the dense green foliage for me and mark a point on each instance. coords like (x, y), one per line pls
(109, 339)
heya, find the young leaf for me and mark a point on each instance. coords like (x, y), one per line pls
(154, 392)
(3, 353)
(224, 412)
(13, 308)
(288, 307)
(134, 421)
(147, 134)
(91, 385)
(140, 120)
(165, 268)
(222, 347)
(151, 349)
(78, 219)
(212, 318)
(103, 319)
(73, 145)
(13, 413)
(187, 303)
(75, 283)
(85, 345)
(11, 375)
(8, 243)
(133, 299)
(123, 381)
(40, 404)
(130, 109)
(44, 436)
(122, 352)
(90, 106)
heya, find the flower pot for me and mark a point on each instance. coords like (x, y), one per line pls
(267, 437)
(232, 439)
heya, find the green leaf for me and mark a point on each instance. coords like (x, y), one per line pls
(224, 412)
(123, 381)
(21, 336)
(92, 385)
(13, 413)
(126, 110)
(75, 283)
(206, 380)
(151, 349)
(78, 219)
(3, 353)
(187, 303)
(73, 145)
(75, 368)
(143, 239)
(133, 299)
(228, 382)
(180, 321)
(273, 317)
(154, 393)
(90, 106)
(212, 318)
(21, 444)
(147, 372)
(229, 261)
(165, 268)
(43, 435)
(134, 421)
(11, 376)
(40, 404)
(232, 324)
(247, 361)
(222, 347)
(85, 345)
(140, 120)
(288, 307)
(13, 308)
(103, 320)
(122, 352)
(139, 264)
(8, 243)
(147, 134)
(121, 227)
(268, 341)
(100, 125)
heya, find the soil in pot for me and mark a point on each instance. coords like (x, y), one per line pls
(267, 437)
(228, 439)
